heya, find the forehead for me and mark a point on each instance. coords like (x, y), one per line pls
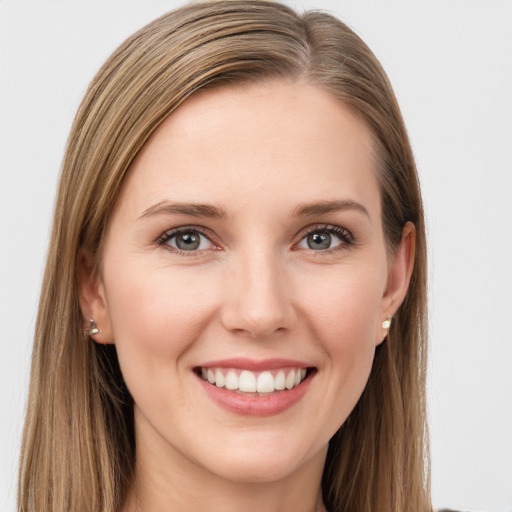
(257, 142)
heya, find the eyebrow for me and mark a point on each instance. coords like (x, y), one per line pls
(325, 207)
(190, 209)
(213, 212)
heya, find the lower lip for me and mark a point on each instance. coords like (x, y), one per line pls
(256, 405)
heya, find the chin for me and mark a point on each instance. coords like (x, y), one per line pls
(264, 459)
(258, 470)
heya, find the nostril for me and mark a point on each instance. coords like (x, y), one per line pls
(258, 306)
(259, 331)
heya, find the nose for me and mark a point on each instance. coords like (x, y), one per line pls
(258, 297)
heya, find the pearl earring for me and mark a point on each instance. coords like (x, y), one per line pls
(387, 323)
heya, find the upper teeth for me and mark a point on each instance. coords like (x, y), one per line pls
(254, 382)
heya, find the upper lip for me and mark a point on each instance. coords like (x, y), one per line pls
(255, 365)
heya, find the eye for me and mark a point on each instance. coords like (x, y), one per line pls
(185, 240)
(325, 238)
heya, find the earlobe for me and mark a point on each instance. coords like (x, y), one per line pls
(93, 301)
(399, 276)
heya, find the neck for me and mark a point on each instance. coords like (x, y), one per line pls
(253, 501)
(170, 482)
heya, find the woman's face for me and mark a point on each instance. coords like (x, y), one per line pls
(245, 279)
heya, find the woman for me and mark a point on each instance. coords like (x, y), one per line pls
(233, 309)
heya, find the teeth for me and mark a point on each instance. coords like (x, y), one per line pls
(290, 379)
(280, 380)
(265, 383)
(231, 380)
(247, 382)
(219, 379)
(254, 382)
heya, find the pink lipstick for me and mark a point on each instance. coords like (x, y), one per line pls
(255, 388)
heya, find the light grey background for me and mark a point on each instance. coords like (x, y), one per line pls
(450, 62)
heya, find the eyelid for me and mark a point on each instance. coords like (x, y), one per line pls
(167, 235)
(345, 236)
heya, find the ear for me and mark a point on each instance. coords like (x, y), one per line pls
(93, 300)
(399, 276)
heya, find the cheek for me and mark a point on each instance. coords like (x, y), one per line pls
(156, 315)
(345, 309)
(344, 315)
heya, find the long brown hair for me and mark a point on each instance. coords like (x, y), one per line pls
(78, 444)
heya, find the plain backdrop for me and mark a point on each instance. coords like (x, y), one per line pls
(450, 62)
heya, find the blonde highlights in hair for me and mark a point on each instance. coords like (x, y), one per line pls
(78, 445)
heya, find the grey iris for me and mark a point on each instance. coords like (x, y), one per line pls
(188, 241)
(319, 241)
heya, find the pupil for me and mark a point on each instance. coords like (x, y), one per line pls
(319, 241)
(188, 241)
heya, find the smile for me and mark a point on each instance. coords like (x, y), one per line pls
(247, 381)
(256, 388)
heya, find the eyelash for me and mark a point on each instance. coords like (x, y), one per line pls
(169, 235)
(346, 238)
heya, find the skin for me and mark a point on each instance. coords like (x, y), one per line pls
(254, 289)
